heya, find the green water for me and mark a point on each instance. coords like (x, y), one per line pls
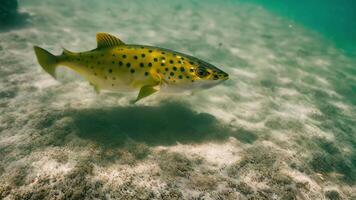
(332, 19)
(282, 127)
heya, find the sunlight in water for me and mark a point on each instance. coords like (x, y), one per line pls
(281, 127)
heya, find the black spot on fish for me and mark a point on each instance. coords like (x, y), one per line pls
(114, 78)
(155, 59)
(113, 62)
(180, 62)
(132, 71)
(163, 52)
(192, 81)
(163, 58)
(172, 73)
(98, 62)
(162, 64)
(191, 70)
(110, 70)
(146, 73)
(171, 61)
(91, 56)
(143, 55)
(175, 68)
(113, 55)
(166, 69)
(180, 77)
(128, 65)
(142, 47)
(190, 62)
(120, 63)
(105, 77)
(112, 85)
(124, 56)
(182, 69)
(216, 77)
(150, 64)
(142, 65)
(188, 77)
(94, 74)
(150, 51)
(135, 57)
(102, 55)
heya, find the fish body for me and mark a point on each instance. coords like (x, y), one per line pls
(116, 66)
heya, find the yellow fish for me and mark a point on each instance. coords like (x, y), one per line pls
(117, 66)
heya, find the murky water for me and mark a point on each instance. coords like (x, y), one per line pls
(282, 127)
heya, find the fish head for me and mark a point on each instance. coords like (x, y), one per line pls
(207, 75)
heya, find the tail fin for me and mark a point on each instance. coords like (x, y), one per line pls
(47, 60)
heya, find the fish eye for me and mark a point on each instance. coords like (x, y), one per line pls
(202, 72)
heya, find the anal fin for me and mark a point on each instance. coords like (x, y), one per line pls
(96, 88)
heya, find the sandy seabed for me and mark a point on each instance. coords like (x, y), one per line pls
(283, 126)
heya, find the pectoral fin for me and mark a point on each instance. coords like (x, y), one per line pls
(145, 91)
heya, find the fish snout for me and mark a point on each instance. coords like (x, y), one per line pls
(224, 76)
(221, 76)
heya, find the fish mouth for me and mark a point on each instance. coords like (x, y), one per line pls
(224, 76)
(218, 74)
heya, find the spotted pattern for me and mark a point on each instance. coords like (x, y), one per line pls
(136, 61)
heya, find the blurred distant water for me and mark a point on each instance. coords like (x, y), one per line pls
(282, 127)
(333, 19)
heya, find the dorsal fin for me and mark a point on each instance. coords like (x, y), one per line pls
(105, 40)
(67, 52)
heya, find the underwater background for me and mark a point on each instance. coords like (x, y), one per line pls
(283, 126)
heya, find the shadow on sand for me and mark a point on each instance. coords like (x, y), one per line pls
(166, 124)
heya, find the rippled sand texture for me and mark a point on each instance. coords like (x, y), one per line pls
(283, 127)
